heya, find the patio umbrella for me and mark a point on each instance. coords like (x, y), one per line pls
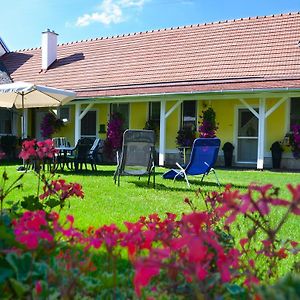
(28, 95)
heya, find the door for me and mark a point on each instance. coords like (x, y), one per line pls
(247, 137)
(89, 125)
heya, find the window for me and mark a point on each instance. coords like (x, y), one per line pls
(88, 124)
(295, 112)
(123, 109)
(6, 117)
(188, 116)
(154, 113)
(64, 113)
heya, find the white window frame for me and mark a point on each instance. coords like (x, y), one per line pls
(236, 132)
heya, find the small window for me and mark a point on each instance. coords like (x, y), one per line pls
(189, 117)
(6, 117)
(64, 113)
(154, 112)
(123, 109)
(295, 112)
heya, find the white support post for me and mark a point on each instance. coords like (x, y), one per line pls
(162, 133)
(86, 110)
(249, 107)
(173, 108)
(275, 106)
(261, 133)
(77, 122)
(25, 124)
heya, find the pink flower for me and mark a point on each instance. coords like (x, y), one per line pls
(31, 228)
(38, 287)
(144, 272)
(62, 189)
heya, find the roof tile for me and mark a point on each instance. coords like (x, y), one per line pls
(263, 49)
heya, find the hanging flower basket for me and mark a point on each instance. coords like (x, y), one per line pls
(50, 124)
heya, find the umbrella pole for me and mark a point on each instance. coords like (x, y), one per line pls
(23, 119)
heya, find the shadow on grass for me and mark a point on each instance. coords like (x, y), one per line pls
(195, 186)
(98, 173)
(142, 183)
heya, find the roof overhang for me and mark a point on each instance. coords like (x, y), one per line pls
(205, 95)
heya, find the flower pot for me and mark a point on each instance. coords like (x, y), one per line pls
(276, 151)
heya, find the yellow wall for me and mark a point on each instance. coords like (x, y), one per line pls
(275, 124)
(225, 116)
(138, 115)
(69, 128)
(172, 125)
(103, 116)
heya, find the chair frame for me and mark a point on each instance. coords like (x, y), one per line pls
(121, 160)
(93, 150)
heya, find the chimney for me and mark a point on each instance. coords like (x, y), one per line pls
(49, 48)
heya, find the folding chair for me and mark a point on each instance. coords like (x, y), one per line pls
(137, 156)
(203, 157)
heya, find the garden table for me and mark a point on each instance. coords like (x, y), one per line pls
(62, 158)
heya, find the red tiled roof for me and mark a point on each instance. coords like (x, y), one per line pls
(253, 53)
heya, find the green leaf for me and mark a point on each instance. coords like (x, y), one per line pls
(40, 270)
(213, 279)
(31, 203)
(235, 289)
(52, 203)
(5, 273)
(19, 288)
(20, 264)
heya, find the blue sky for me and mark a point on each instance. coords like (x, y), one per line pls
(21, 22)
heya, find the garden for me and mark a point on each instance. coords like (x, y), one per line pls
(71, 236)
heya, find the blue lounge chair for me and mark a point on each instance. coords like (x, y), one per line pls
(203, 157)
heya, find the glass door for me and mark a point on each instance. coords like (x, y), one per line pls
(247, 139)
(89, 125)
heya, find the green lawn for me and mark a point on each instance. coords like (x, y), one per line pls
(106, 203)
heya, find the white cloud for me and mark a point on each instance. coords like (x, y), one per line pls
(109, 12)
(130, 3)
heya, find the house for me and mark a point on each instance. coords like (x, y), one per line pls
(247, 70)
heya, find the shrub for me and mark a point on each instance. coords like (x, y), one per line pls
(208, 126)
(185, 137)
(114, 135)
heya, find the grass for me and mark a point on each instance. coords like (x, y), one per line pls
(106, 203)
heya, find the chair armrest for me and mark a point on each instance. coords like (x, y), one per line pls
(180, 167)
